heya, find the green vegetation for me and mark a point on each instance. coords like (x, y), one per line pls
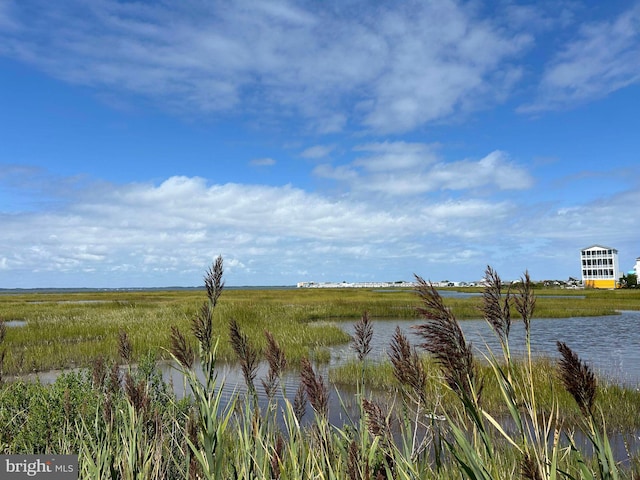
(71, 330)
(620, 406)
(629, 280)
(450, 417)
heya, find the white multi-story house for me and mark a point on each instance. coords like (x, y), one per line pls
(600, 267)
(637, 267)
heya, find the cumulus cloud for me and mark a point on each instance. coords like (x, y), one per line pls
(400, 169)
(603, 58)
(388, 69)
(146, 234)
(181, 223)
(317, 151)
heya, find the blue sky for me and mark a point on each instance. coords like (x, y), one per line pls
(314, 141)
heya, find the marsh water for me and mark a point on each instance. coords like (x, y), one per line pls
(609, 344)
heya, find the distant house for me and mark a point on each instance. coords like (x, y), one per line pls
(599, 267)
(637, 267)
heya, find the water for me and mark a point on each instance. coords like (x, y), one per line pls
(15, 323)
(609, 344)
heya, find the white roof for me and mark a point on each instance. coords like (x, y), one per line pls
(600, 247)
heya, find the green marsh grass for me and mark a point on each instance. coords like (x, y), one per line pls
(126, 422)
(70, 329)
(620, 405)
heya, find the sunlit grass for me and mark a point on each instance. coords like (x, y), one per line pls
(70, 329)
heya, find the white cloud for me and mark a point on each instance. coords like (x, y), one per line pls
(166, 234)
(389, 69)
(392, 156)
(405, 169)
(178, 225)
(604, 57)
(317, 151)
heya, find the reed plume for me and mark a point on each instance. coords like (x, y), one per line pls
(317, 391)
(300, 402)
(136, 393)
(577, 378)
(213, 281)
(202, 327)
(277, 363)
(444, 340)
(525, 300)
(181, 349)
(124, 346)
(202, 324)
(361, 341)
(247, 354)
(98, 373)
(377, 422)
(496, 311)
(407, 366)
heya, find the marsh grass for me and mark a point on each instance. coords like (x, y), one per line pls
(620, 405)
(447, 420)
(71, 329)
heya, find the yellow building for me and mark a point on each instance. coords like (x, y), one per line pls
(599, 267)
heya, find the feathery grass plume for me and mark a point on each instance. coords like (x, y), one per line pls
(136, 393)
(407, 366)
(181, 349)
(577, 378)
(202, 324)
(213, 281)
(525, 300)
(496, 312)
(113, 386)
(317, 391)
(277, 363)
(361, 341)
(377, 423)
(247, 354)
(108, 409)
(98, 373)
(379, 426)
(124, 346)
(444, 340)
(300, 403)
(202, 327)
